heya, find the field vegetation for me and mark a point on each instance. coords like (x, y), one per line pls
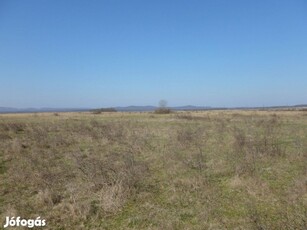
(183, 170)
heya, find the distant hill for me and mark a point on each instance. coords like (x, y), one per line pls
(191, 107)
(7, 110)
(133, 108)
(304, 105)
(38, 110)
(152, 108)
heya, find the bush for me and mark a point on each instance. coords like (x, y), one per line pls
(162, 111)
(99, 111)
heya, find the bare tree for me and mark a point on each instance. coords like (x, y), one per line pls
(162, 108)
(162, 103)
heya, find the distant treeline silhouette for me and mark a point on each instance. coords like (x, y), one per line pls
(101, 110)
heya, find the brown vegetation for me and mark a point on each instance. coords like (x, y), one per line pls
(186, 170)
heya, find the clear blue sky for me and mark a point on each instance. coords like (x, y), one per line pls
(61, 53)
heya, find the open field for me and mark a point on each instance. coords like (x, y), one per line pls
(185, 170)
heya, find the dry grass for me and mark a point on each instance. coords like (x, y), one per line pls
(185, 170)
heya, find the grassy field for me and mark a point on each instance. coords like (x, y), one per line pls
(185, 170)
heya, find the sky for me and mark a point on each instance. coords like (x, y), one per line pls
(104, 53)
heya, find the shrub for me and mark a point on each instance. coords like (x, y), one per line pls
(99, 111)
(163, 111)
